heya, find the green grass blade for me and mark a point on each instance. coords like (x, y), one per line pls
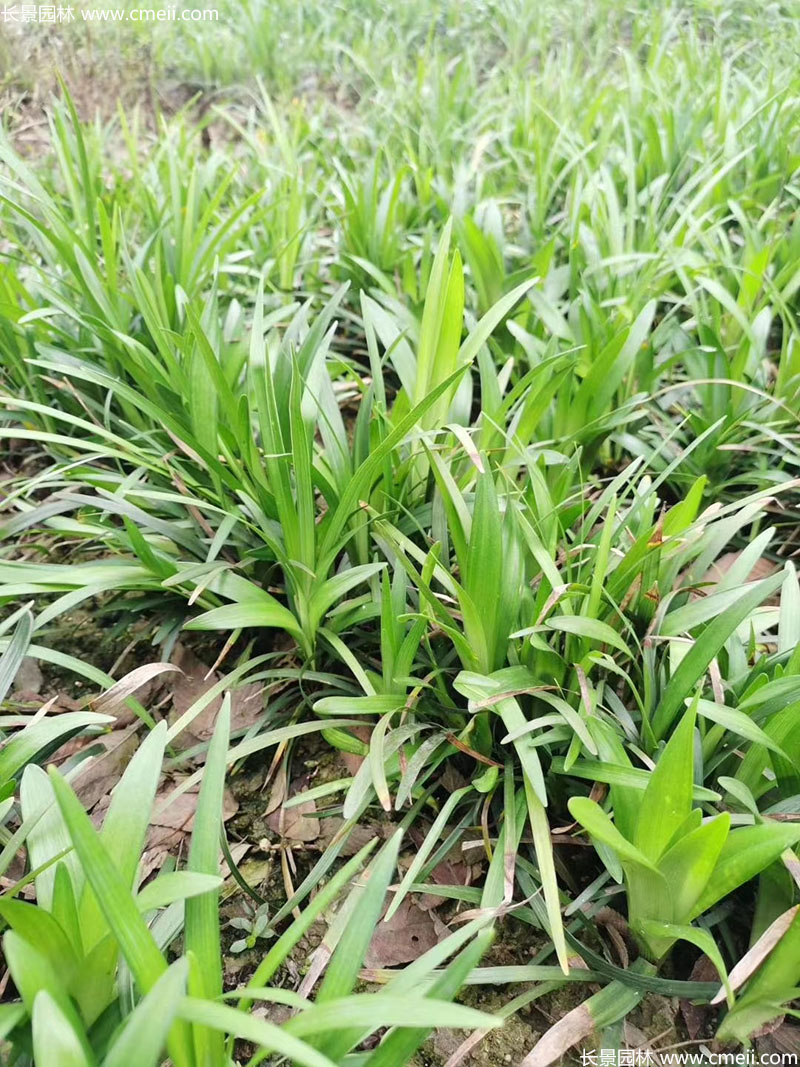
(202, 934)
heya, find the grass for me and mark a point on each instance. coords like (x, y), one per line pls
(451, 392)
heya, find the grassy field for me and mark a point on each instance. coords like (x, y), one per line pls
(399, 489)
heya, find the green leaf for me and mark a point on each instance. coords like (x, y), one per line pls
(348, 956)
(357, 487)
(26, 745)
(335, 588)
(11, 1015)
(425, 849)
(177, 885)
(55, 1041)
(253, 613)
(142, 1039)
(689, 863)
(702, 939)
(41, 930)
(125, 825)
(48, 837)
(13, 656)
(33, 972)
(202, 933)
(593, 819)
(772, 987)
(118, 906)
(372, 1012)
(540, 828)
(619, 774)
(483, 575)
(738, 723)
(264, 1035)
(399, 1045)
(515, 722)
(667, 800)
(601, 1010)
(706, 647)
(490, 321)
(65, 907)
(376, 704)
(747, 851)
(597, 631)
(433, 315)
(296, 930)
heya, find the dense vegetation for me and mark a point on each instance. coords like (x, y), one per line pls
(434, 372)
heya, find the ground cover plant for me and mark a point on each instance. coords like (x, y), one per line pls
(399, 610)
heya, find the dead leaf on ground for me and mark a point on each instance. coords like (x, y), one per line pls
(452, 779)
(452, 870)
(238, 851)
(98, 775)
(256, 872)
(634, 1037)
(783, 1041)
(187, 688)
(452, 1049)
(575, 1026)
(296, 824)
(277, 1014)
(410, 932)
(445, 873)
(279, 791)
(28, 679)
(455, 1048)
(169, 828)
(350, 760)
(697, 1015)
(359, 836)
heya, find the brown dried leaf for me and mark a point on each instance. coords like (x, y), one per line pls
(318, 961)
(298, 823)
(279, 791)
(763, 568)
(792, 865)
(696, 1015)
(277, 1014)
(360, 835)
(452, 779)
(238, 851)
(410, 932)
(784, 1040)
(446, 1043)
(770, 1027)
(350, 760)
(445, 873)
(256, 872)
(187, 688)
(98, 776)
(108, 703)
(568, 1031)
(28, 679)
(170, 827)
